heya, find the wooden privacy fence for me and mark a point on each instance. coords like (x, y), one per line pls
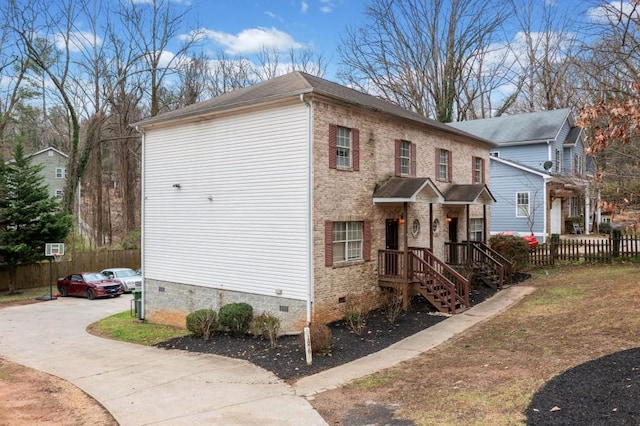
(37, 275)
(588, 250)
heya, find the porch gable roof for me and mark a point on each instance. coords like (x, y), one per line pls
(469, 194)
(406, 189)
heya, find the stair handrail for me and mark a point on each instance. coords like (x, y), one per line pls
(506, 264)
(452, 288)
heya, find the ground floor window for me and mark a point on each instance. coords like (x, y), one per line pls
(476, 228)
(347, 241)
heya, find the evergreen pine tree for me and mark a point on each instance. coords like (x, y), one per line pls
(29, 216)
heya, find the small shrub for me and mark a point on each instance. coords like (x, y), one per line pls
(513, 248)
(604, 227)
(236, 317)
(357, 309)
(391, 304)
(267, 325)
(202, 322)
(320, 336)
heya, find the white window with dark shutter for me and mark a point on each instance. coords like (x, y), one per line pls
(347, 241)
(343, 148)
(443, 160)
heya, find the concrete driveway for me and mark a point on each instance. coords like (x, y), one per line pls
(144, 385)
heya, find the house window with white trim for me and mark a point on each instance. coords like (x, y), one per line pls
(61, 173)
(59, 194)
(558, 161)
(347, 241)
(405, 158)
(476, 229)
(478, 170)
(343, 146)
(444, 165)
(522, 204)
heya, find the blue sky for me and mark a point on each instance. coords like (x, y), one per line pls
(241, 27)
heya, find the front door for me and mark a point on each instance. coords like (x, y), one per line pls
(391, 243)
(453, 237)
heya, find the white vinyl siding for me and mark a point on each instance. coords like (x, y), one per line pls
(238, 220)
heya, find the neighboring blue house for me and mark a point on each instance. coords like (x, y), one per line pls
(540, 174)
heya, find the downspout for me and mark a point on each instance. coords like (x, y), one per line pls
(307, 330)
(309, 208)
(142, 222)
(547, 212)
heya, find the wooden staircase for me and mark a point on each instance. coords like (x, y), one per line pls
(441, 285)
(481, 263)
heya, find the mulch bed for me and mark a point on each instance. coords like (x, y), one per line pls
(605, 391)
(288, 359)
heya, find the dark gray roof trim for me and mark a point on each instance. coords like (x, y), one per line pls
(292, 85)
(404, 189)
(531, 127)
(469, 194)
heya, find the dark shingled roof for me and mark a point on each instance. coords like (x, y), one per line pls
(573, 135)
(468, 194)
(293, 85)
(404, 189)
(535, 126)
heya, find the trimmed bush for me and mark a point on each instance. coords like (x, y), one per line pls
(202, 322)
(320, 336)
(236, 317)
(513, 248)
(267, 325)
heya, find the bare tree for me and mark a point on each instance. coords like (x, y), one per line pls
(151, 26)
(543, 50)
(414, 53)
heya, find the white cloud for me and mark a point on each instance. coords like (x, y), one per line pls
(273, 16)
(251, 40)
(612, 12)
(77, 40)
(326, 6)
(304, 6)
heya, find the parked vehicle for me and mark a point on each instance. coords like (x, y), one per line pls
(125, 276)
(531, 240)
(89, 285)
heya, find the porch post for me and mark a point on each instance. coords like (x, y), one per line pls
(431, 226)
(405, 292)
(484, 223)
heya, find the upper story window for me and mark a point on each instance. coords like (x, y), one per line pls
(405, 158)
(478, 170)
(558, 161)
(59, 194)
(343, 152)
(443, 162)
(344, 148)
(61, 173)
(522, 204)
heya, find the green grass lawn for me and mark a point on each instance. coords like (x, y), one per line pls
(128, 328)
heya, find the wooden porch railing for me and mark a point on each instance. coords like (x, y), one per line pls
(478, 256)
(425, 273)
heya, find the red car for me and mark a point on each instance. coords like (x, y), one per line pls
(89, 285)
(531, 240)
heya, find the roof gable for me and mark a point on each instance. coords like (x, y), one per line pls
(294, 85)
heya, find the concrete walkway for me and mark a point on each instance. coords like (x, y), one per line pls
(149, 386)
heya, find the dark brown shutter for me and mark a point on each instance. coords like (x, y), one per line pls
(355, 148)
(413, 160)
(449, 165)
(483, 175)
(366, 236)
(328, 243)
(333, 146)
(473, 170)
(398, 145)
(437, 164)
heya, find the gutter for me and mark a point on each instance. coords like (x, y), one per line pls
(142, 221)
